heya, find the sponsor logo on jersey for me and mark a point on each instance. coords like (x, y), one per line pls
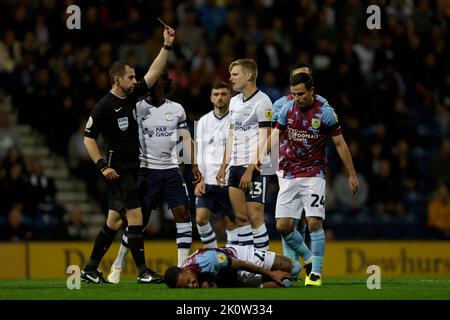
(299, 135)
(269, 114)
(239, 126)
(163, 132)
(315, 123)
(123, 123)
(148, 132)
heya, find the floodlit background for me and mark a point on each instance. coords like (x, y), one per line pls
(390, 88)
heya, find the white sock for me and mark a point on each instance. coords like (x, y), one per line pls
(207, 235)
(184, 240)
(245, 235)
(232, 237)
(261, 237)
(120, 260)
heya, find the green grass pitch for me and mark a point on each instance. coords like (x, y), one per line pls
(338, 288)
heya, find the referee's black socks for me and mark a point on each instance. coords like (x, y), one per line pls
(101, 245)
(136, 245)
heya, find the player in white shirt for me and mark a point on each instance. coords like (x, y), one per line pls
(161, 123)
(211, 136)
(251, 117)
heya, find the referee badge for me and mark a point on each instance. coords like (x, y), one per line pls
(123, 123)
(315, 123)
(268, 113)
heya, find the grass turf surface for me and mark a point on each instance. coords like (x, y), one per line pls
(340, 288)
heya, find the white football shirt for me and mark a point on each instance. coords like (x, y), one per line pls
(211, 137)
(158, 133)
(246, 118)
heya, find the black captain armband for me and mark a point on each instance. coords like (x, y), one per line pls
(102, 165)
(167, 46)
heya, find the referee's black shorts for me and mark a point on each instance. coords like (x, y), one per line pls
(123, 193)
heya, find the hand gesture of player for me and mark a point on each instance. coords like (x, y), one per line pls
(353, 183)
(246, 178)
(199, 190)
(278, 276)
(220, 178)
(197, 174)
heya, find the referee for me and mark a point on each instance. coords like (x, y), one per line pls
(114, 117)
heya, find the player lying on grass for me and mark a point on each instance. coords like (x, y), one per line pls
(234, 266)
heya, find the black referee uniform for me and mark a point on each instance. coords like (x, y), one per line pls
(115, 119)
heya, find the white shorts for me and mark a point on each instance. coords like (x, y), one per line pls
(298, 194)
(261, 258)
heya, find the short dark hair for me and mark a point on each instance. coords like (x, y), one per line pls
(171, 276)
(299, 65)
(221, 85)
(302, 78)
(118, 69)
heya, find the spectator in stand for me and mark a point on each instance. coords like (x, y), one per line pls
(74, 229)
(438, 221)
(8, 136)
(440, 165)
(16, 229)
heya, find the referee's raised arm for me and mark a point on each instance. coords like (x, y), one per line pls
(160, 61)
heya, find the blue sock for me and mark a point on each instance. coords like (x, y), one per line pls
(318, 250)
(287, 251)
(295, 241)
(303, 230)
(296, 269)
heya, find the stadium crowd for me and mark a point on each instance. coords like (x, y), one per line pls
(390, 88)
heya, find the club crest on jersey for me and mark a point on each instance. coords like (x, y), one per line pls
(221, 258)
(315, 123)
(247, 111)
(123, 123)
(268, 113)
(169, 116)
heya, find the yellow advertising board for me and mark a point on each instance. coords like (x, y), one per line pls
(49, 260)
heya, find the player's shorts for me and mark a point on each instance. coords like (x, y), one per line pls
(217, 200)
(169, 183)
(257, 189)
(298, 194)
(262, 258)
(122, 193)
